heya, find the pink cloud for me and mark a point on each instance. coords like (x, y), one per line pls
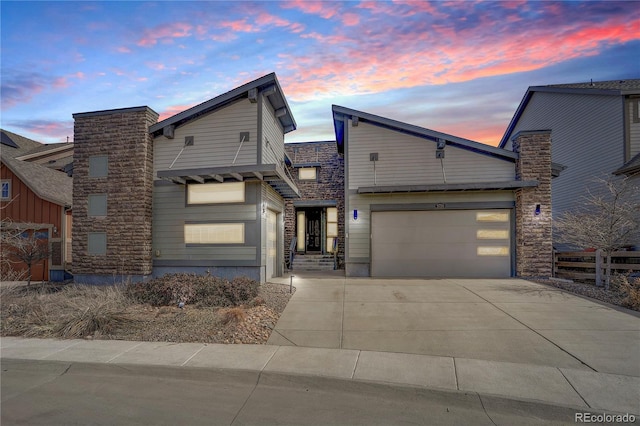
(324, 9)
(240, 26)
(46, 130)
(173, 110)
(165, 32)
(123, 49)
(350, 19)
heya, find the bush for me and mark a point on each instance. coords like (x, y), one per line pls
(630, 287)
(231, 315)
(202, 290)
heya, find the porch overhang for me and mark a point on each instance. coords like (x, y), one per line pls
(449, 187)
(272, 174)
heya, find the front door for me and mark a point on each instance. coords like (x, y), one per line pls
(314, 230)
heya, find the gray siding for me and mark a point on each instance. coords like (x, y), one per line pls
(170, 214)
(272, 132)
(216, 140)
(359, 235)
(634, 127)
(587, 137)
(408, 160)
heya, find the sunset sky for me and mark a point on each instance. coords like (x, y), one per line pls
(459, 67)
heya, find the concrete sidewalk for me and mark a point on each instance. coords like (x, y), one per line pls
(568, 387)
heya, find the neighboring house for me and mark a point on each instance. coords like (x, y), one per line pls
(315, 221)
(202, 191)
(36, 199)
(212, 190)
(420, 203)
(596, 133)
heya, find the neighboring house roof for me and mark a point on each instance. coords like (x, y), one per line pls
(14, 145)
(421, 132)
(631, 167)
(54, 155)
(267, 84)
(607, 88)
(48, 184)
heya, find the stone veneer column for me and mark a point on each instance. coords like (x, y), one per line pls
(534, 243)
(123, 136)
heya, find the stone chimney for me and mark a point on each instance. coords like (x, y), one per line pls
(112, 195)
(534, 239)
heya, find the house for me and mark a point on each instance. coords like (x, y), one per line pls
(596, 133)
(214, 189)
(314, 223)
(203, 191)
(420, 203)
(36, 199)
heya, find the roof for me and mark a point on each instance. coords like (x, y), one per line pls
(46, 149)
(432, 135)
(48, 184)
(631, 167)
(268, 85)
(606, 88)
(14, 145)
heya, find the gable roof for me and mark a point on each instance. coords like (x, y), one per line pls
(48, 184)
(607, 88)
(14, 145)
(267, 84)
(340, 112)
(631, 167)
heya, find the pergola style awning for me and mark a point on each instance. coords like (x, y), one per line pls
(272, 174)
(474, 186)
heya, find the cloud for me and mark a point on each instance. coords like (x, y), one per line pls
(324, 9)
(123, 49)
(172, 110)
(48, 131)
(21, 87)
(165, 32)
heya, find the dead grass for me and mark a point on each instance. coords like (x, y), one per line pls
(630, 287)
(231, 315)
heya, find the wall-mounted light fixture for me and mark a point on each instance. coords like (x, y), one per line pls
(55, 230)
(537, 212)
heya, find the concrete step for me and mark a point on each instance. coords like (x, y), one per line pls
(313, 262)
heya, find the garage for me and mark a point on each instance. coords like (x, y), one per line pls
(441, 243)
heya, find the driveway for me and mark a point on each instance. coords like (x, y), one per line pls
(507, 320)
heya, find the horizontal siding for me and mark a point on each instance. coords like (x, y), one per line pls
(272, 132)
(359, 230)
(587, 137)
(216, 140)
(170, 214)
(408, 160)
(634, 127)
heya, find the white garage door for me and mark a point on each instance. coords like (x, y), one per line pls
(272, 243)
(441, 243)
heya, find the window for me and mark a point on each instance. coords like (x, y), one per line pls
(97, 243)
(302, 232)
(307, 173)
(6, 189)
(97, 205)
(215, 193)
(492, 234)
(492, 216)
(214, 233)
(493, 251)
(332, 227)
(98, 166)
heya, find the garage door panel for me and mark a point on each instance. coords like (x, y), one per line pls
(439, 244)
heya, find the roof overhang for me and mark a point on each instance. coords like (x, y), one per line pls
(272, 174)
(449, 187)
(341, 114)
(267, 86)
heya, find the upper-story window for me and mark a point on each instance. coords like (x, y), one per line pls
(98, 166)
(216, 193)
(6, 190)
(307, 173)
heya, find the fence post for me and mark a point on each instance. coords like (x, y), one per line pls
(598, 268)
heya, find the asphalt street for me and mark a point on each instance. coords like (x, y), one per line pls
(62, 393)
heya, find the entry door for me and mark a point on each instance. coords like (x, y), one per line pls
(314, 230)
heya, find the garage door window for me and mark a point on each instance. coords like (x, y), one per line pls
(493, 251)
(492, 216)
(492, 234)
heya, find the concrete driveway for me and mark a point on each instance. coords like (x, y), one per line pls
(507, 320)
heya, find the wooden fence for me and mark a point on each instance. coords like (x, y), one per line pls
(592, 265)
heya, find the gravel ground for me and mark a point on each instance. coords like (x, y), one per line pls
(590, 290)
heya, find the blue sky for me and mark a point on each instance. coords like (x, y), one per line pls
(459, 67)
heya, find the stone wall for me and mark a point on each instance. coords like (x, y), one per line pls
(123, 136)
(328, 186)
(534, 239)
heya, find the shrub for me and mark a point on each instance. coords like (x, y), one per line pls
(203, 290)
(630, 287)
(231, 315)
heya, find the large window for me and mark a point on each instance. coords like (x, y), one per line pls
(215, 193)
(214, 233)
(307, 173)
(6, 190)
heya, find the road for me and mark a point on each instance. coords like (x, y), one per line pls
(62, 393)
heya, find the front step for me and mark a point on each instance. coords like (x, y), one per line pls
(313, 262)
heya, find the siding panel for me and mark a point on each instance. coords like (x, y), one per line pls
(634, 126)
(216, 140)
(274, 134)
(587, 137)
(408, 160)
